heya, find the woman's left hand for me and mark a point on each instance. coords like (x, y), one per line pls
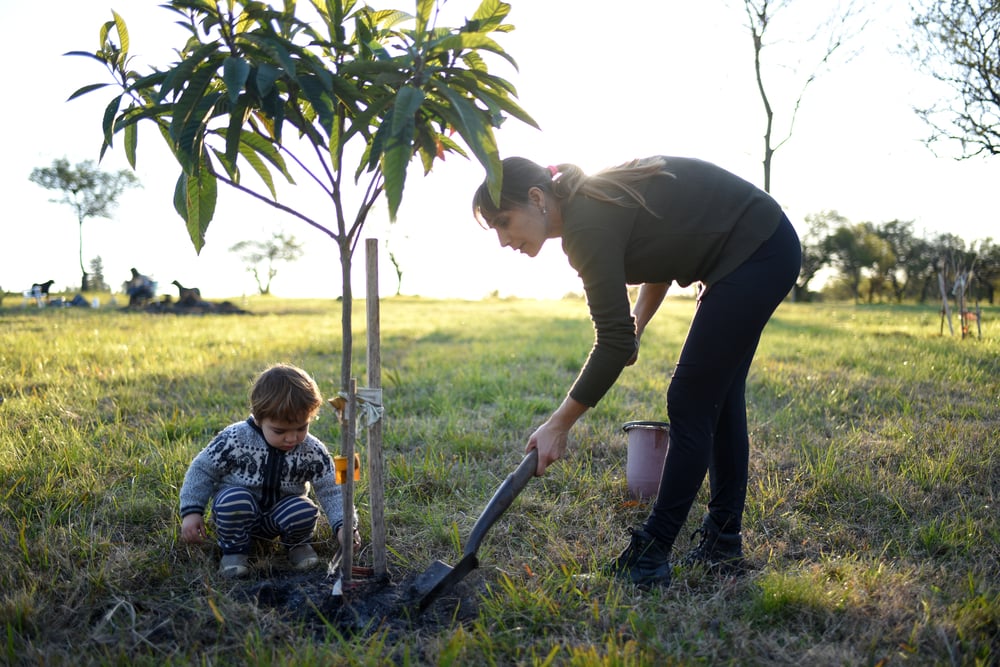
(635, 355)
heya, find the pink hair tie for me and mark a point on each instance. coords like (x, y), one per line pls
(554, 170)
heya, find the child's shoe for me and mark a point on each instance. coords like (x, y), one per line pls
(234, 565)
(302, 557)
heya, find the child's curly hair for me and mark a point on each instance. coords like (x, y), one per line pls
(285, 393)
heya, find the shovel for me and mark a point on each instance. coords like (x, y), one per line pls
(440, 576)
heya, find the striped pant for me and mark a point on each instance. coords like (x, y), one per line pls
(239, 518)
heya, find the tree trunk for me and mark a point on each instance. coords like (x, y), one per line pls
(83, 271)
(347, 430)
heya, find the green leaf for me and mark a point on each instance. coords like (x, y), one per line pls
(237, 117)
(86, 89)
(478, 136)
(123, 36)
(198, 195)
(252, 157)
(180, 75)
(88, 54)
(108, 124)
(231, 169)
(273, 47)
(424, 9)
(265, 149)
(234, 74)
(146, 85)
(473, 84)
(467, 120)
(271, 105)
(266, 76)
(473, 41)
(131, 141)
(187, 124)
(474, 61)
(361, 121)
(180, 196)
(134, 114)
(490, 15)
(408, 102)
(399, 146)
(105, 31)
(320, 98)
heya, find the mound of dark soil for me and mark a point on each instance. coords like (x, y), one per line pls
(367, 606)
(189, 308)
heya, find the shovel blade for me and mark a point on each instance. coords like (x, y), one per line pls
(440, 578)
(429, 578)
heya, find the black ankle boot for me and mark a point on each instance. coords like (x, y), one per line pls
(717, 550)
(645, 562)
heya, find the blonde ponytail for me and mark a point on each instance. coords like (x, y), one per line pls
(615, 185)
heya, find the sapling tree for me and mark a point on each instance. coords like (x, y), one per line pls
(259, 93)
(827, 38)
(258, 89)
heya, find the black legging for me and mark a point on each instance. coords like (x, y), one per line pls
(706, 402)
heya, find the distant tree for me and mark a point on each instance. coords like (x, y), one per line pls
(988, 269)
(883, 265)
(958, 43)
(91, 193)
(95, 281)
(918, 268)
(826, 39)
(815, 253)
(853, 249)
(399, 272)
(898, 234)
(261, 257)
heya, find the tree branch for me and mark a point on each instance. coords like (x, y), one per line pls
(274, 204)
(372, 193)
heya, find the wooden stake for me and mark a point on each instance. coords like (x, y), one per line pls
(376, 486)
(945, 312)
(347, 488)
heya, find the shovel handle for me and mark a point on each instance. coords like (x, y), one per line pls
(502, 499)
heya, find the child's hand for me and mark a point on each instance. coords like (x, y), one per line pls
(357, 537)
(193, 529)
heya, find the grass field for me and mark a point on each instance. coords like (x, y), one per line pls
(872, 512)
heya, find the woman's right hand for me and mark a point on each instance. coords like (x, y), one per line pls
(552, 438)
(551, 442)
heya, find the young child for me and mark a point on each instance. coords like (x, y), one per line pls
(259, 471)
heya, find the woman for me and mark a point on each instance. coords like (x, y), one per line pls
(652, 222)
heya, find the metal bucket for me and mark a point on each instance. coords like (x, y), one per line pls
(647, 447)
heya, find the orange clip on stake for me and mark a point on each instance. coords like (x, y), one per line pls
(340, 468)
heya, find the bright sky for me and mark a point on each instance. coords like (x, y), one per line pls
(653, 77)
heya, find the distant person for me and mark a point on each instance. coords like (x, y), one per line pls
(258, 472)
(651, 222)
(139, 288)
